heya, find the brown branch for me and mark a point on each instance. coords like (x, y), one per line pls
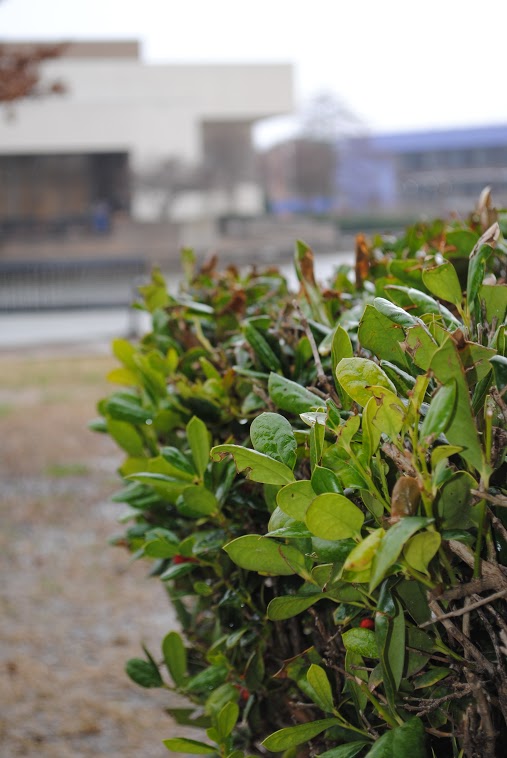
(467, 608)
(400, 460)
(497, 524)
(501, 673)
(475, 587)
(489, 570)
(495, 499)
(453, 631)
(321, 374)
(426, 705)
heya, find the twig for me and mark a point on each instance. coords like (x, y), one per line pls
(489, 570)
(463, 640)
(467, 608)
(397, 456)
(426, 705)
(475, 587)
(321, 374)
(495, 499)
(502, 675)
(497, 524)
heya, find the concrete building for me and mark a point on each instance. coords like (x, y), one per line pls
(155, 143)
(437, 171)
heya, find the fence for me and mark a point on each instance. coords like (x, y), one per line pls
(63, 285)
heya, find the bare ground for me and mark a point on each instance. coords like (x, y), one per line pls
(72, 608)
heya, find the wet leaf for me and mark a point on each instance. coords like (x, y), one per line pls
(361, 641)
(272, 435)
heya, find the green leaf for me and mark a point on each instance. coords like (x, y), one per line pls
(288, 606)
(402, 741)
(494, 297)
(443, 282)
(390, 637)
(317, 678)
(290, 396)
(361, 557)
(348, 750)
(394, 313)
(190, 747)
(361, 641)
(226, 720)
(462, 430)
(476, 266)
(265, 555)
(382, 337)
(144, 673)
(122, 408)
(272, 435)
(334, 517)
(260, 467)
(441, 411)
(126, 436)
(199, 440)
(291, 736)
(358, 375)
(165, 486)
(454, 502)
(499, 364)
(392, 545)
(175, 657)
(420, 550)
(431, 677)
(261, 348)
(200, 500)
(324, 480)
(421, 346)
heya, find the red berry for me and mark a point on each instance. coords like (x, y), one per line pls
(183, 559)
(367, 624)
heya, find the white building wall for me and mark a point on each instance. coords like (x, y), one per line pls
(151, 111)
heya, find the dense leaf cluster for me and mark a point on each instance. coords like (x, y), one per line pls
(319, 480)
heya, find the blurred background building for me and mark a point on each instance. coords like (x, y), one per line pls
(157, 152)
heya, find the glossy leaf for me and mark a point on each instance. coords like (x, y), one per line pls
(361, 641)
(348, 750)
(431, 677)
(421, 549)
(175, 657)
(461, 430)
(288, 606)
(190, 747)
(361, 557)
(272, 435)
(390, 638)
(382, 337)
(259, 467)
(405, 740)
(226, 720)
(199, 440)
(394, 313)
(392, 545)
(291, 396)
(441, 411)
(317, 678)
(292, 736)
(264, 555)
(334, 517)
(357, 375)
(200, 500)
(144, 673)
(443, 282)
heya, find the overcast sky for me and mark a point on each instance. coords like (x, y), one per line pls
(398, 64)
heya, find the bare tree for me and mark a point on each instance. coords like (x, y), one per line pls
(20, 71)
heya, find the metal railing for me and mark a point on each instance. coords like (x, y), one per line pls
(64, 285)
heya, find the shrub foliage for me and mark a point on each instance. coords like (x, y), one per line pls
(319, 481)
